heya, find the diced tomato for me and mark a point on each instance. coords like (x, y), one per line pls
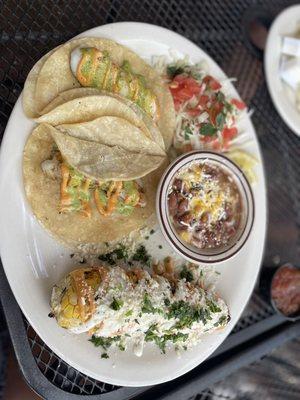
(181, 94)
(187, 80)
(194, 112)
(215, 109)
(216, 145)
(179, 78)
(212, 83)
(229, 133)
(240, 105)
(184, 88)
(203, 100)
(207, 139)
(201, 106)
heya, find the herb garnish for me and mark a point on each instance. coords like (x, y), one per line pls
(128, 313)
(161, 341)
(187, 132)
(222, 320)
(104, 342)
(121, 347)
(120, 253)
(141, 255)
(107, 258)
(167, 302)
(187, 314)
(220, 121)
(147, 306)
(214, 308)
(116, 304)
(173, 70)
(207, 130)
(104, 355)
(220, 96)
(186, 274)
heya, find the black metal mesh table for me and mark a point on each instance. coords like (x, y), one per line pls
(29, 29)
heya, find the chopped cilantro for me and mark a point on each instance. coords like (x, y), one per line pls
(167, 302)
(128, 313)
(107, 258)
(161, 341)
(222, 320)
(141, 255)
(187, 314)
(120, 253)
(121, 347)
(116, 304)
(174, 70)
(104, 355)
(228, 106)
(186, 274)
(104, 342)
(187, 133)
(220, 97)
(147, 306)
(214, 308)
(220, 121)
(207, 130)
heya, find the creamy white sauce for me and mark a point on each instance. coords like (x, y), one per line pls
(130, 322)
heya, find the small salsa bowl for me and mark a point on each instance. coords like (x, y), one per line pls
(285, 286)
(236, 180)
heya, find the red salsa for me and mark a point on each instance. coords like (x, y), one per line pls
(204, 205)
(285, 290)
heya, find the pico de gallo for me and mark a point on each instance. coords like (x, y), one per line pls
(206, 117)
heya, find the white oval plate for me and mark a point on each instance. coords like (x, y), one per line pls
(285, 24)
(33, 261)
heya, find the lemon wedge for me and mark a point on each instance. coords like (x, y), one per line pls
(246, 162)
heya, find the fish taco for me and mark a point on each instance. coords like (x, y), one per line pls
(105, 65)
(76, 208)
